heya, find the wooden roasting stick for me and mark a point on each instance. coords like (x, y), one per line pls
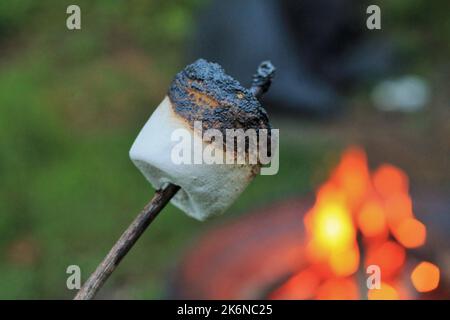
(125, 242)
(261, 83)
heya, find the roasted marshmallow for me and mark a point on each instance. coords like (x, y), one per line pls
(200, 98)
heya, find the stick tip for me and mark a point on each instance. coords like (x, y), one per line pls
(262, 79)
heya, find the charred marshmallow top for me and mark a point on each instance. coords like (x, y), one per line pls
(204, 92)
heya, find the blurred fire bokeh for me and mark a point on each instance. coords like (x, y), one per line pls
(361, 221)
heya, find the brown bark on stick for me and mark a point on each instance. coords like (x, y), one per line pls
(125, 242)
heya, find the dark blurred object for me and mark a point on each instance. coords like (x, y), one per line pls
(320, 48)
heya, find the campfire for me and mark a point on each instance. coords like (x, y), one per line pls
(358, 238)
(361, 225)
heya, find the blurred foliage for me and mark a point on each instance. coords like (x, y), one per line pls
(418, 26)
(71, 104)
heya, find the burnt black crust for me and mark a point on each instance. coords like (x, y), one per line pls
(204, 92)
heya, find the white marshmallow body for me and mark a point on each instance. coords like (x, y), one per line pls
(206, 189)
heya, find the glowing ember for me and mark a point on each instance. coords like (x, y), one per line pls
(372, 219)
(386, 292)
(390, 257)
(411, 233)
(338, 289)
(398, 208)
(301, 286)
(345, 263)
(378, 207)
(333, 227)
(389, 180)
(425, 277)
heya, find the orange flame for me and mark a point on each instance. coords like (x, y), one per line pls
(372, 219)
(425, 277)
(411, 233)
(386, 292)
(390, 257)
(376, 205)
(338, 289)
(303, 285)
